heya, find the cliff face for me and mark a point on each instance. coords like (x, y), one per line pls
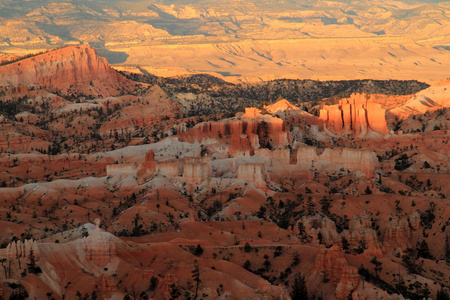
(195, 172)
(254, 173)
(365, 161)
(258, 130)
(74, 69)
(355, 115)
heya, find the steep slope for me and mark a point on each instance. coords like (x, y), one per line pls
(70, 70)
(431, 99)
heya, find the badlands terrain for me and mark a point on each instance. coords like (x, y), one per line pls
(243, 40)
(131, 186)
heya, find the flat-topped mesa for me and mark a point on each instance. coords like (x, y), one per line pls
(73, 69)
(365, 161)
(355, 115)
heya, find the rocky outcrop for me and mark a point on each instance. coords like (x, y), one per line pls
(398, 233)
(19, 249)
(243, 145)
(355, 115)
(364, 161)
(320, 224)
(333, 263)
(196, 171)
(254, 173)
(268, 291)
(399, 230)
(307, 154)
(73, 69)
(251, 113)
(106, 284)
(360, 231)
(283, 155)
(414, 221)
(260, 130)
(349, 282)
(192, 170)
(115, 169)
(99, 246)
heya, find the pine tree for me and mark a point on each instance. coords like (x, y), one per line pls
(345, 244)
(442, 294)
(299, 291)
(196, 277)
(423, 250)
(377, 265)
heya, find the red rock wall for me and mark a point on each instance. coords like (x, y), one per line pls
(252, 129)
(59, 69)
(355, 115)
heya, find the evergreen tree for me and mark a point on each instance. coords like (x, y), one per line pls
(423, 250)
(442, 294)
(345, 244)
(196, 277)
(376, 265)
(299, 291)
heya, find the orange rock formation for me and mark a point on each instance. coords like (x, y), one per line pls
(333, 262)
(399, 231)
(74, 69)
(252, 126)
(355, 115)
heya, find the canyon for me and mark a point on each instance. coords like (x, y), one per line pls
(117, 188)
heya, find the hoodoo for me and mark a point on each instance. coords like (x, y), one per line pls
(357, 115)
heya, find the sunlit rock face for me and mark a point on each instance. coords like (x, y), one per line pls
(355, 115)
(246, 133)
(74, 69)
